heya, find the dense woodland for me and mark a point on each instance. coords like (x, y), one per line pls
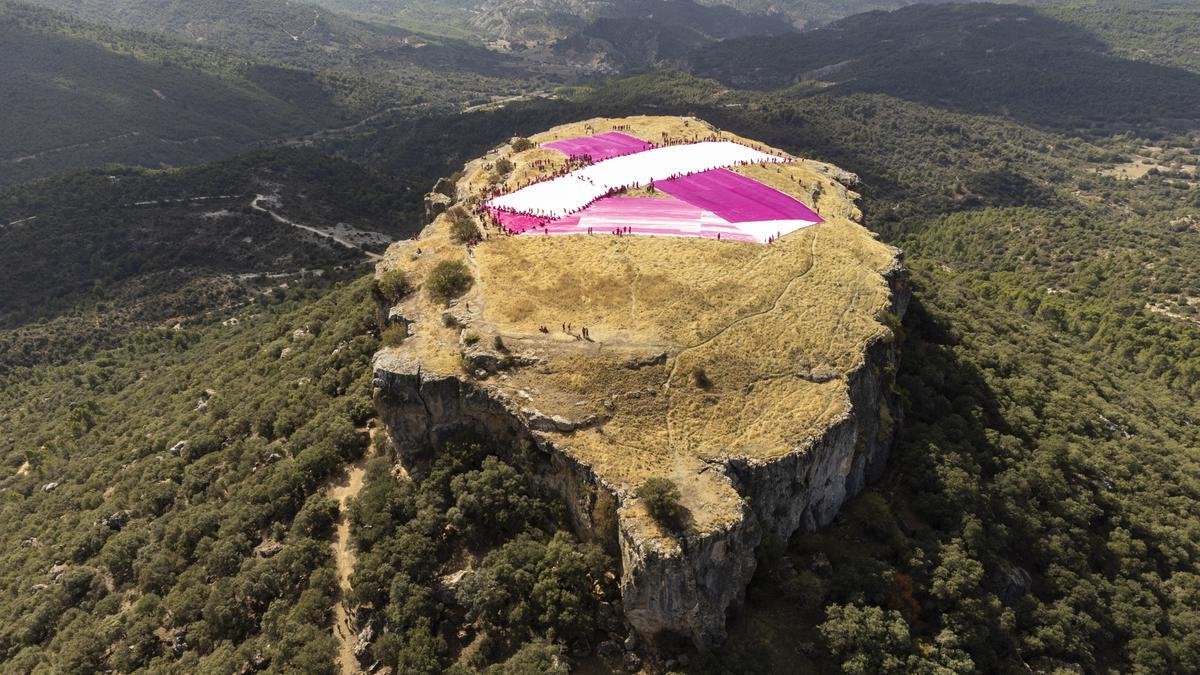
(1040, 510)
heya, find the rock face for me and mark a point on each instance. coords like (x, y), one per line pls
(788, 411)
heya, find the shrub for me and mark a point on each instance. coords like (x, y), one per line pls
(521, 144)
(470, 339)
(700, 378)
(448, 280)
(661, 497)
(504, 166)
(394, 334)
(392, 285)
(462, 225)
(498, 344)
(533, 657)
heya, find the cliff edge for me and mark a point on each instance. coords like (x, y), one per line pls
(757, 378)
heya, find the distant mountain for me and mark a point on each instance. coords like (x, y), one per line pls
(1156, 31)
(813, 13)
(649, 32)
(76, 94)
(614, 45)
(80, 94)
(314, 38)
(996, 59)
(536, 21)
(551, 19)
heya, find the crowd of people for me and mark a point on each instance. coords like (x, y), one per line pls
(511, 221)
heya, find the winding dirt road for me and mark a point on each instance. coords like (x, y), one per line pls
(320, 233)
(342, 492)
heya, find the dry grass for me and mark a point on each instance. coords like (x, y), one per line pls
(775, 329)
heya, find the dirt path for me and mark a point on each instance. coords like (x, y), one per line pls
(812, 263)
(65, 148)
(343, 491)
(502, 102)
(280, 219)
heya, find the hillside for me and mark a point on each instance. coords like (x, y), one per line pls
(78, 94)
(133, 249)
(297, 34)
(137, 491)
(498, 19)
(1159, 31)
(204, 81)
(1051, 369)
(1007, 61)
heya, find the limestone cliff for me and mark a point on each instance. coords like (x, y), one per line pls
(757, 378)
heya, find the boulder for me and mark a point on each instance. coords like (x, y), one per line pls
(1011, 582)
(435, 205)
(116, 520)
(445, 186)
(269, 549)
(542, 422)
(446, 590)
(362, 645)
(656, 360)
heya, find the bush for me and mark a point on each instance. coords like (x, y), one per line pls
(504, 167)
(394, 334)
(462, 225)
(521, 144)
(470, 339)
(449, 279)
(661, 497)
(392, 285)
(533, 657)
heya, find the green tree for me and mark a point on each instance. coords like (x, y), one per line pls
(867, 639)
(462, 224)
(392, 285)
(491, 500)
(661, 498)
(534, 657)
(449, 279)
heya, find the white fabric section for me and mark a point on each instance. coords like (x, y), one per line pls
(567, 194)
(765, 229)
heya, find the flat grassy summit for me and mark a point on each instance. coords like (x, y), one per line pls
(758, 339)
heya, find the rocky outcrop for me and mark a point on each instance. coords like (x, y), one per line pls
(421, 412)
(757, 380)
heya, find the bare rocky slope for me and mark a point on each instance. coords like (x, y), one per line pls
(791, 413)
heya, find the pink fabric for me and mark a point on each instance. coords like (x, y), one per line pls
(601, 146)
(736, 198)
(515, 222)
(667, 217)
